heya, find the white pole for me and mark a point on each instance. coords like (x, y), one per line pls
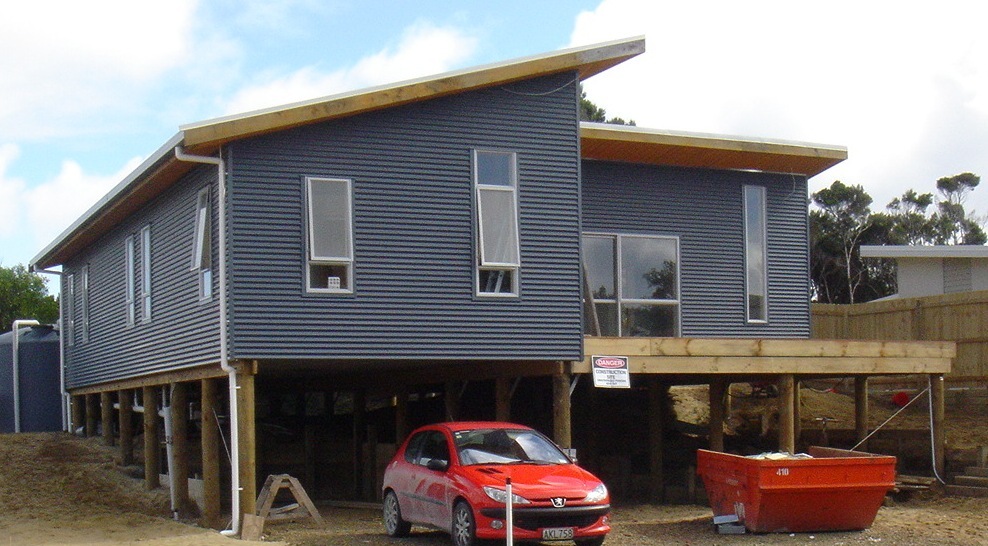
(509, 517)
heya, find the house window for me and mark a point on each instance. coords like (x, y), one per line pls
(496, 180)
(756, 276)
(330, 235)
(634, 284)
(146, 272)
(131, 271)
(202, 247)
(84, 304)
(70, 310)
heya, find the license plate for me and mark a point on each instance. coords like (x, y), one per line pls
(557, 533)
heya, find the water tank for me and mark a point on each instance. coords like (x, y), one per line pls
(41, 404)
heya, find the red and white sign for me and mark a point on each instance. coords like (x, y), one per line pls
(611, 372)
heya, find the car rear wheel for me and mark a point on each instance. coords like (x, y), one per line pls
(596, 541)
(464, 529)
(394, 525)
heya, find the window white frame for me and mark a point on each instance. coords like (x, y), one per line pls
(202, 245)
(621, 300)
(84, 303)
(497, 266)
(130, 274)
(321, 265)
(755, 254)
(69, 310)
(146, 273)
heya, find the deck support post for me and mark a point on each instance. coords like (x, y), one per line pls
(247, 430)
(359, 436)
(658, 394)
(502, 399)
(152, 453)
(180, 444)
(210, 454)
(797, 423)
(939, 434)
(718, 391)
(92, 401)
(78, 413)
(106, 416)
(401, 415)
(787, 441)
(562, 429)
(452, 399)
(861, 409)
(126, 417)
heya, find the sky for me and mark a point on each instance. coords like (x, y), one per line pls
(90, 89)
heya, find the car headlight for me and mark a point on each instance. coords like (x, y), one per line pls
(598, 494)
(501, 496)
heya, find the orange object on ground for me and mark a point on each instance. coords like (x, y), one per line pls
(836, 490)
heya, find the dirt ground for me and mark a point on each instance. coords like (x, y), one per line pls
(59, 489)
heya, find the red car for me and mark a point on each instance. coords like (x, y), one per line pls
(452, 476)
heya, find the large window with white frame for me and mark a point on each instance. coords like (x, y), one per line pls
(146, 273)
(495, 177)
(330, 235)
(131, 286)
(202, 246)
(633, 282)
(756, 271)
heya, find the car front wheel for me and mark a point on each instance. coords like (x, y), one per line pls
(394, 525)
(464, 529)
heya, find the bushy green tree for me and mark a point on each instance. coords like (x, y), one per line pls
(23, 295)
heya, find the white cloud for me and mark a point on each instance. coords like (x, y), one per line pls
(422, 50)
(11, 189)
(63, 60)
(887, 80)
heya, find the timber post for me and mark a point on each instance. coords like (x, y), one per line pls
(126, 427)
(210, 454)
(359, 430)
(180, 441)
(78, 413)
(797, 423)
(787, 442)
(718, 391)
(452, 399)
(152, 453)
(502, 399)
(92, 401)
(562, 429)
(247, 444)
(939, 434)
(861, 409)
(401, 415)
(106, 417)
(658, 395)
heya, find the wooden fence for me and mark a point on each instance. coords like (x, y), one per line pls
(961, 317)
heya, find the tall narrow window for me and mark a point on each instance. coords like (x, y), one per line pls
(496, 180)
(330, 235)
(634, 284)
(69, 318)
(146, 273)
(756, 278)
(202, 246)
(130, 272)
(84, 304)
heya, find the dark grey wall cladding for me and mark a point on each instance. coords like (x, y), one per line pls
(413, 232)
(182, 331)
(704, 208)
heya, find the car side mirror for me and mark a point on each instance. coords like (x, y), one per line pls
(439, 465)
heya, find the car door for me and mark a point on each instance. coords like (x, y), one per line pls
(407, 477)
(433, 484)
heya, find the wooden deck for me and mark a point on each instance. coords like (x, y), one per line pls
(803, 357)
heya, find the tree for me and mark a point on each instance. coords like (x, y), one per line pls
(591, 112)
(23, 296)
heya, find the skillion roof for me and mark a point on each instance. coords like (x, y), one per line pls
(599, 141)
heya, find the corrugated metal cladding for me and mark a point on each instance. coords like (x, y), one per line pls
(956, 275)
(182, 330)
(413, 232)
(704, 208)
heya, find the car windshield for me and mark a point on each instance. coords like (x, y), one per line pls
(506, 446)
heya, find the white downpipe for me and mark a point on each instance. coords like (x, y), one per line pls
(509, 518)
(166, 413)
(224, 353)
(17, 369)
(66, 419)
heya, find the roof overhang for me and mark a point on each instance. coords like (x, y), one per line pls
(928, 251)
(609, 142)
(205, 136)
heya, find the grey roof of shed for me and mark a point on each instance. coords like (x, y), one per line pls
(924, 251)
